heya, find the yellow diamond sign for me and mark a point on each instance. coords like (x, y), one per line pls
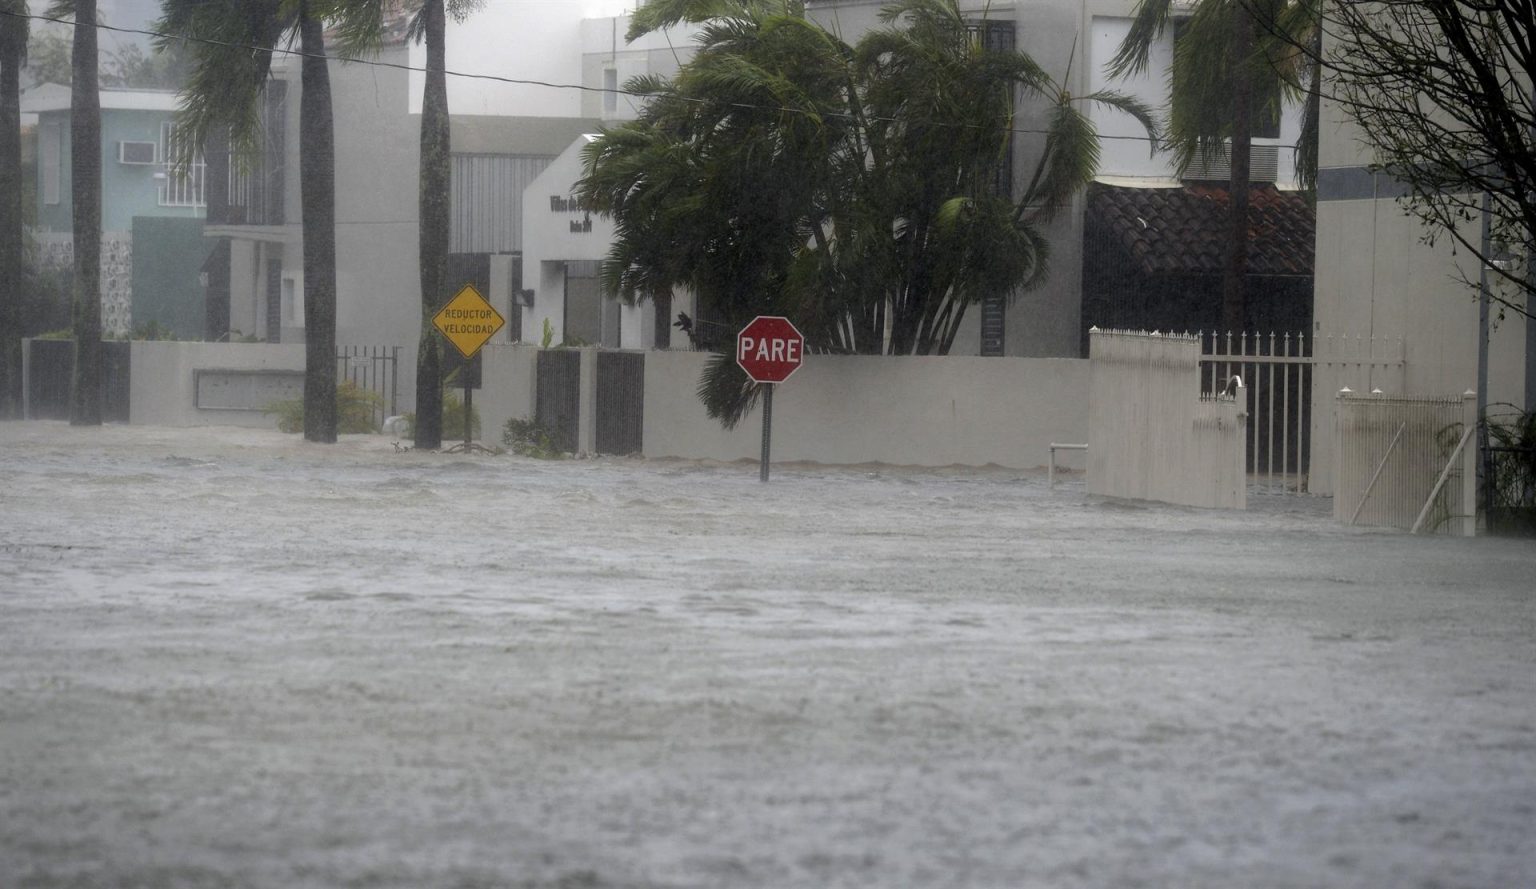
(468, 321)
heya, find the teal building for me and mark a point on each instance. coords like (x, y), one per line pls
(151, 211)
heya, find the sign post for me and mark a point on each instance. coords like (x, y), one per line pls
(769, 349)
(468, 321)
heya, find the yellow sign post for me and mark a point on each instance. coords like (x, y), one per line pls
(469, 322)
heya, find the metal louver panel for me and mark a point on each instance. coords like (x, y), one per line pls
(487, 201)
(1263, 166)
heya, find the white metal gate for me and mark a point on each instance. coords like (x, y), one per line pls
(1289, 442)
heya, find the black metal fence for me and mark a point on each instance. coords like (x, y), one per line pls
(373, 369)
(50, 367)
(620, 420)
(557, 396)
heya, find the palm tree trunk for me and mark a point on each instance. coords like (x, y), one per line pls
(435, 172)
(12, 43)
(317, 187)
(1233, 285)
(85, 195)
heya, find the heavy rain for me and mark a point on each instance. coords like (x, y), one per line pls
(1154, 430)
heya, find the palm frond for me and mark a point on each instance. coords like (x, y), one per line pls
(231, 58)
(1131, 105)
(1148, 20)
(657, 15)
(726, 390)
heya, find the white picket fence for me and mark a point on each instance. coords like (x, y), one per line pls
(1152, 434)
(1406, 462)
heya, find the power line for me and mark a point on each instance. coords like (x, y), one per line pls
(513, 81)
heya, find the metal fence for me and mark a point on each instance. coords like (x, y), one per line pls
(1152, 433)
(1281, 371)
(1405, 462)
(373, 369)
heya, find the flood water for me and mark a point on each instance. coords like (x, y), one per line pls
(229, 658)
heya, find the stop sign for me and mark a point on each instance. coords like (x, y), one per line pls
(769, 349)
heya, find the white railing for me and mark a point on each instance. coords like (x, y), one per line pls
(1152, 435)
(1286, 435)
(183, 186)
(1404, 462)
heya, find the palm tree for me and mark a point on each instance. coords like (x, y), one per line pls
(851, 188)
(430, 25)
(85, 197)
(1233, 60)
(231, 49)
(13, 54)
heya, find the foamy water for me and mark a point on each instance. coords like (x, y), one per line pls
(230, 658)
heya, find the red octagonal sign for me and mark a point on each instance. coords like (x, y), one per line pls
(769, 349)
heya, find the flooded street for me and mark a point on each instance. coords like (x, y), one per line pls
(229, 658)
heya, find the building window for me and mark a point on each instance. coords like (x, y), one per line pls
(610, 90)
(180, 186)
(51, 149)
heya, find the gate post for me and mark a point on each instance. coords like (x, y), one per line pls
(1469, 458)
(26, 378)
(1240, 424)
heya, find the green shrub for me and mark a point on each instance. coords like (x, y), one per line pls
(453, 419)
(355, 410)
(154, 330)
(527, 438)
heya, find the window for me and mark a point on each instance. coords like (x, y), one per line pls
(180, 186)
(610, 90)
(51, 149)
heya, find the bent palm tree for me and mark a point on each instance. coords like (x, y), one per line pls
(1233, 60)
(231, 53)
(851, 188)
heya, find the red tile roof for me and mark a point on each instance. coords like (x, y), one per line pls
(1184, 230)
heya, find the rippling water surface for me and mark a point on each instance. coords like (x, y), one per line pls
(230, 658)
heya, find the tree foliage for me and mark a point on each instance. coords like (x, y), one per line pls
(50, 60)
(1442, 92)
(1234, 62)
(851, 188)
(1199, 116)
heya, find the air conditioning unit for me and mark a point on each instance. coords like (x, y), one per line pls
(1263, 165)
(138, 153)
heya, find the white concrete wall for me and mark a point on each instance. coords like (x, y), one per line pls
(1377, 277)
(162, 380)
(1150, 435)
(918, 411)
(556, 231)
(508, 375)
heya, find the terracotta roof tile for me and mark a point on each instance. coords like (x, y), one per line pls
(1184, 230)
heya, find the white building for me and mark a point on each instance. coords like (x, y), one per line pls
(524, 107)
(546, 74)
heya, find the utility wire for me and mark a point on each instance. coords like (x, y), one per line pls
(514, 81)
